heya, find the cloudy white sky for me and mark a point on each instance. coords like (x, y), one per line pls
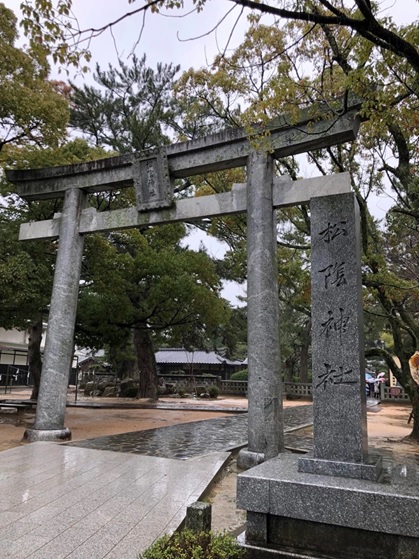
(179, 36)
(186, 40)
(182, 37)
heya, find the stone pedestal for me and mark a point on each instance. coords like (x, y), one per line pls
(295, 514)
(338, 502)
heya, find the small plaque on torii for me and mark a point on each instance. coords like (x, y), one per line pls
(152, 181)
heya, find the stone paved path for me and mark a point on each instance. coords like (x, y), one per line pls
(192, 439)
(61, 501)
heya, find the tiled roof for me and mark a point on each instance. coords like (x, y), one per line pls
(199, 357)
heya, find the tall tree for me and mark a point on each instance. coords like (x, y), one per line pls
(145, 283)
(131, 110)
(163, 289)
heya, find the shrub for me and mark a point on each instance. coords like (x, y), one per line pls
(240, 375)
(213, 391)
(181, 391)
(194, 545)
(130, 392)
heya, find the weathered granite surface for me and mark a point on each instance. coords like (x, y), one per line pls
(277, 488)
(59, 347)
(339, 398)
(301, 539)
(265, 431)
(285, 193)
(198, 517)
(369, 469)
(224, 150)
(152, 181)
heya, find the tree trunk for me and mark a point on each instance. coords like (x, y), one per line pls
(123, 359)
(304, 357)
(415, 411)
(34, 356)
(127, 368)
(289, 369)
(148, 381)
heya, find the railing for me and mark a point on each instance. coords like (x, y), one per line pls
(234, 387)
(239, 387)
(191, 383)
(305, 390)
(393, 394)
(299, 389)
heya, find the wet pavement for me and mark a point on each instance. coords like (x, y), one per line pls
(198, 438)
(61, 502)
(79, 500)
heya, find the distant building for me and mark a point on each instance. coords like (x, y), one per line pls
(168, 360)
(14, 368)
(88, 361)
(198, 362)
(14, 357)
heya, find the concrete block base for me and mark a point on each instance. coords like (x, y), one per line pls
(293, 514)
(33, 435)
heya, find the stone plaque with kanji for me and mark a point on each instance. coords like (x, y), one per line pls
(152, 181)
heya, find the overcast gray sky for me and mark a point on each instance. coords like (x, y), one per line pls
(165, 38)
(175, 36)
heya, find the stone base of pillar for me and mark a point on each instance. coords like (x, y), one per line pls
(33, 435)
(248, 459)
(294, 514)
(371, 469)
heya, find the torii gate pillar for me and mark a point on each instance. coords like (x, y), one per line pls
(59, 348)
(265, 435)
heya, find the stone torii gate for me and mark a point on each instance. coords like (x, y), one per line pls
(152, 173)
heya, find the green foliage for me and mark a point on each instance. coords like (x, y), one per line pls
(52, 30)
(213, 391)
(169, 288)
(194, 545)
(240, 375)
(33, 110)
(26, 269)
(131, 110)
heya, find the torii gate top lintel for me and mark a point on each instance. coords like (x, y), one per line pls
(224, 150)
